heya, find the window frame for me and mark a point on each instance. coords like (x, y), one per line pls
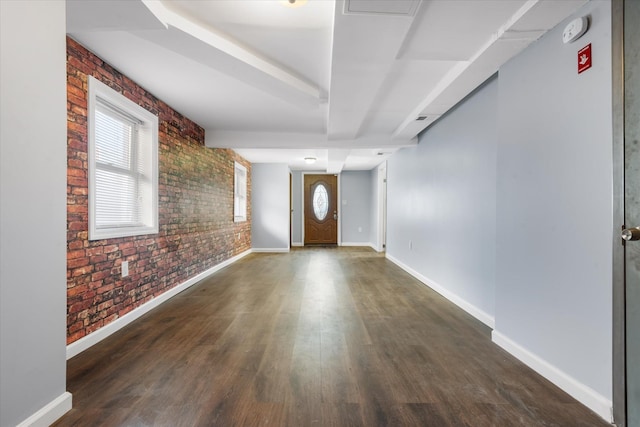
(239, 192)
(147, 137)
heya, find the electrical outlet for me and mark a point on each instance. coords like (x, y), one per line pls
(125, 268)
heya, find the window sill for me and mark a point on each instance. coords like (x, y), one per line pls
(111, 233)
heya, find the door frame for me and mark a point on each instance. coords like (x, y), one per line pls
(290, 209)
(381, 238)
(618, 256)
(338, 203)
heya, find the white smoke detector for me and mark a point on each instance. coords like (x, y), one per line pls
(575, 29)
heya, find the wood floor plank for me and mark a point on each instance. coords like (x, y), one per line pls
(316, 337)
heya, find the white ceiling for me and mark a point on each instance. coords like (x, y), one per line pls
(343, 81)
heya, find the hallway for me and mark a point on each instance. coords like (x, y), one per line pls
(315, 337)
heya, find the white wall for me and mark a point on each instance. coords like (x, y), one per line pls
(33, 159)
(554, 209)
(270, 207)
(441, 204)
(356, 208)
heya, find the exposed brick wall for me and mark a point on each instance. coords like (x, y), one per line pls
(195, 208)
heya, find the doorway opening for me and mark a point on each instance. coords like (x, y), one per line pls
(320, 209)
(626, 212)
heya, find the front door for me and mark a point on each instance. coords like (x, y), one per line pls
(632, 205)
(320, 209)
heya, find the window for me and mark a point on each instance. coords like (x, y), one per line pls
(320, 202)
(239, 193)
(123, 165)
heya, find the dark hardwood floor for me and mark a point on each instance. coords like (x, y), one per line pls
(316, 337)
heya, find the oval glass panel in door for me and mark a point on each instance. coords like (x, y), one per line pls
(320, 202)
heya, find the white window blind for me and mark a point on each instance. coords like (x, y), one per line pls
(118, 171)
(123, 166)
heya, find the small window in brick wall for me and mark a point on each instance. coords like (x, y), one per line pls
(239, 193)
(123, 165)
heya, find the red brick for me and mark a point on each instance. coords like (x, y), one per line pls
(75, 84)
(75, 88)
(81, 271)
(75, 327)
(79, 191)
(77, 226)
(129, 251)
(73, 172)
(80, 128)
(94, 327)
(98, 250)
(71, 338)
(110, 248)
(79, 306)
(83, 209)
(103, 266)
(75, 181)
(78, 109)
(104, 306)
(75, 163)
(126, 245)
(77, 262)
(75, 254)
(98, 259)
(106, 288)
(99, 275)
(77, 290)
(75, 244)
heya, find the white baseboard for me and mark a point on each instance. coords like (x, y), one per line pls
(297, 244)
(479, 314)
(270, 250)
(582, 393)
(93, 338)
(50, 413)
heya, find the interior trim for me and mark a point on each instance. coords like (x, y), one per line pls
(49, 413)
(270, 250)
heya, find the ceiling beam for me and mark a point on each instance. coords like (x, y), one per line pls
(228, 56)
(246, 139)
(336, 157)
(362, 57)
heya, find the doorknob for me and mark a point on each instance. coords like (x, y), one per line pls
(629, 234)
(335, 216)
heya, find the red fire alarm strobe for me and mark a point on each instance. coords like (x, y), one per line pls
(584, 58)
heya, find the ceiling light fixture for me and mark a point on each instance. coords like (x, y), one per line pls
(292, 3)
(309, 160)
